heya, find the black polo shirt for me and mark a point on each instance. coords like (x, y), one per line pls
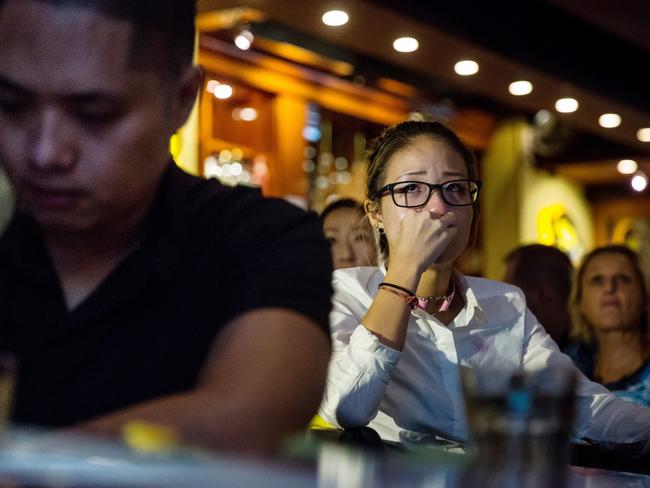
(209, 253)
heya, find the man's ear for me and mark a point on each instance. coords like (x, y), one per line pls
(373, 211)
(185, 96)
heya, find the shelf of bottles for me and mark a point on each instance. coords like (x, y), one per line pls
(334, 156)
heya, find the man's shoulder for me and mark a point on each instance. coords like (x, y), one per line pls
(195, 194)
(205, 203)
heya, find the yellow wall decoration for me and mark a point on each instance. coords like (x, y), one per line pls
(522, 204)
(624, 233)
(555, 228)
(556, 212)
(184, 145)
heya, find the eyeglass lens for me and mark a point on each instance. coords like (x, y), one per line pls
(415, 194)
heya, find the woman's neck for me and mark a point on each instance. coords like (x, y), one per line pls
(435, 281)
(620, 353)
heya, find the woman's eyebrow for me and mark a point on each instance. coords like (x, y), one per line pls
(422, 172)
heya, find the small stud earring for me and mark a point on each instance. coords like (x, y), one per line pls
(381, 230)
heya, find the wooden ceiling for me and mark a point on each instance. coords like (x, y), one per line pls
(563, 47)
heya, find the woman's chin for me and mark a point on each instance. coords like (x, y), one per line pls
(446, 259)
(616, 326)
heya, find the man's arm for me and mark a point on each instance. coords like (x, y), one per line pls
(263, 379)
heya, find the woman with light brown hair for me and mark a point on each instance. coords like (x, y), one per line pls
(609, 310)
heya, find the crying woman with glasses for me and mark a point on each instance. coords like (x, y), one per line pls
(403, 331)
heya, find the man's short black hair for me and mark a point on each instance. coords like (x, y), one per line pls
(163, 29)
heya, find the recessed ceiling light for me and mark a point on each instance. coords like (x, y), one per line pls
(639, 181)
(335, 18)
(609, 121)
(521, 87)
(244, 39)
(406, 44)
(643, 134)
(466, 67)
(212, 84)
(566, 105)
(627, 166)
(248, 114)
(222, 91)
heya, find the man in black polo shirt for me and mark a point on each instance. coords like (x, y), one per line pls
(130, 290)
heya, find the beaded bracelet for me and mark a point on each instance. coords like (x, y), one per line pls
(413, 301)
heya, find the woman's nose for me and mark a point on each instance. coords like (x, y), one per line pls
(344, 254)
(436, 203)
(610, 285)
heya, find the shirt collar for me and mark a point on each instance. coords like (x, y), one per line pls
(22, 248)
(472, 310)
(165, 230)
(166, 226)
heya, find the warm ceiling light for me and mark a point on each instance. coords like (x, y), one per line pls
(406, 44)
(609, 121)
(244, 39)
(627, 166)
(335, 18)
(248, 114)
(566, 105)
(222, 91)
(521, 87)
(643, 134)
(639, 181)
(542, 117)
(466, 67)
(212, 84)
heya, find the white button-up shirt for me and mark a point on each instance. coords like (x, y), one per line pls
(416, 396)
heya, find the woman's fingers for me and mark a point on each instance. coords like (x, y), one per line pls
(446, 219)
(422, 237)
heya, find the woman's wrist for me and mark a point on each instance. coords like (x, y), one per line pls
(404, 275)
(408, 263)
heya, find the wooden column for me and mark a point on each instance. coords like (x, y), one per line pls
(286, 173)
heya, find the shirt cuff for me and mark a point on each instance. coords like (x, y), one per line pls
(364, 340)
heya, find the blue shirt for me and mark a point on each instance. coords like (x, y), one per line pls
(633, 388)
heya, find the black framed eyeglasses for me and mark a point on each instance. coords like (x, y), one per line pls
(457, 193)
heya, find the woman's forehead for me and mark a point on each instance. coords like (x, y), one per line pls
(426, 156)
(609, 262)
(344, 213)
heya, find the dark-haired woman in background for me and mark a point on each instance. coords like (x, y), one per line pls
(349, 233)
(610, 323)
